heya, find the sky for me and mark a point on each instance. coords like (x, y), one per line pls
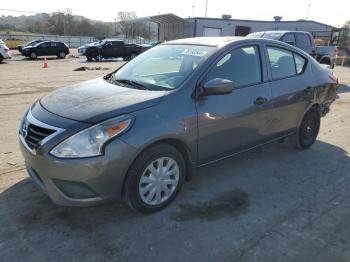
(334, 12)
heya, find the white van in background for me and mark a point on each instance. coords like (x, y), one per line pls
(4, 51)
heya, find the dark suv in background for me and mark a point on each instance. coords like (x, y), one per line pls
(46, 48)
(302, 40)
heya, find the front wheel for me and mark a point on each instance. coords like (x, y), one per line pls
(33, 55)
(155, 178)
(132, 56)
(307, 132)
(98, 58)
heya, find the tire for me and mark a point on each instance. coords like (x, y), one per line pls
(307, 132)
(132, 56)
(1, 58)
(61, 54)
(33, 55)
(89, 59)
(159, 188)
(98, 58)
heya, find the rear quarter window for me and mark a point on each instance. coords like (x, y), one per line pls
(285, 63)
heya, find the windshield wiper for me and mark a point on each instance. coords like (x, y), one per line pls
(133, 83)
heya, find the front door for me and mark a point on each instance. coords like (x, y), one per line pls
(233, 122)
(43, 49)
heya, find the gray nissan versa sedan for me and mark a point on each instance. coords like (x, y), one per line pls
(138, 132)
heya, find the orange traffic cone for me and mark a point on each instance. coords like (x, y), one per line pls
(46, 65)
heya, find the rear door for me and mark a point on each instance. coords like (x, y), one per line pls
(54, 48)
(233, 122)
(291, 89)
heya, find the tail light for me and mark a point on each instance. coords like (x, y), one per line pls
(334, 78)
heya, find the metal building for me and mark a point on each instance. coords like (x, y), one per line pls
(172, 27)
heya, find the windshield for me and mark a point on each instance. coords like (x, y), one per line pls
(256, 35)
(34, 42)
(274, 36)
(164, 66)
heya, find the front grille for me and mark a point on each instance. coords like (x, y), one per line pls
(35, 134)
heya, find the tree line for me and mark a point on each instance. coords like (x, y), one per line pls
(66, 23)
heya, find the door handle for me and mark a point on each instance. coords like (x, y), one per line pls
(260, 100)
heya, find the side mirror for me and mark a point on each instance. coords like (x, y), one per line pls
(217, 86)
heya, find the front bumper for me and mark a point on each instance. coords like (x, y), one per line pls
(79, 182)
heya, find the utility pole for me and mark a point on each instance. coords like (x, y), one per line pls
(308, 10)
(206, 8)
(115, 26)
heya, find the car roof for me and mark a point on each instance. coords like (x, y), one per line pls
(207, 41)
(113, 39)
(282, 32)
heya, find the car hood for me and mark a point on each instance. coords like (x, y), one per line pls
(96, 100)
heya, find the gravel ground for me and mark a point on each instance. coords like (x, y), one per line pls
(270, 204)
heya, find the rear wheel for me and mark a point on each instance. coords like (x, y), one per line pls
(1, 58)
(155, 178)
(62, 54)
(33, 55)
(307, 132)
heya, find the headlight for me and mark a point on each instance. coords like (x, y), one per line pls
(90, 141)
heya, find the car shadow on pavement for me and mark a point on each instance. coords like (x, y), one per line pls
(343, 88)
(247, 186)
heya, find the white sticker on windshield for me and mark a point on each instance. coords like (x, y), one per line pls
(194, 52)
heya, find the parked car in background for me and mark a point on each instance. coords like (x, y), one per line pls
(137, 133)
(302, 40)
(113, 48)
(46, 48)
(82, 49)
(31, 43)
(4, 51)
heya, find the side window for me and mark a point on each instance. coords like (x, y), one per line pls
(300, 63)
(303, 40)
(281, 62)
(44, 45)
(241, 66)
(117, 44)
(288, 38)
(53, 44)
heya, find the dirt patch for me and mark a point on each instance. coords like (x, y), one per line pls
(86, 68)
(232, 203)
